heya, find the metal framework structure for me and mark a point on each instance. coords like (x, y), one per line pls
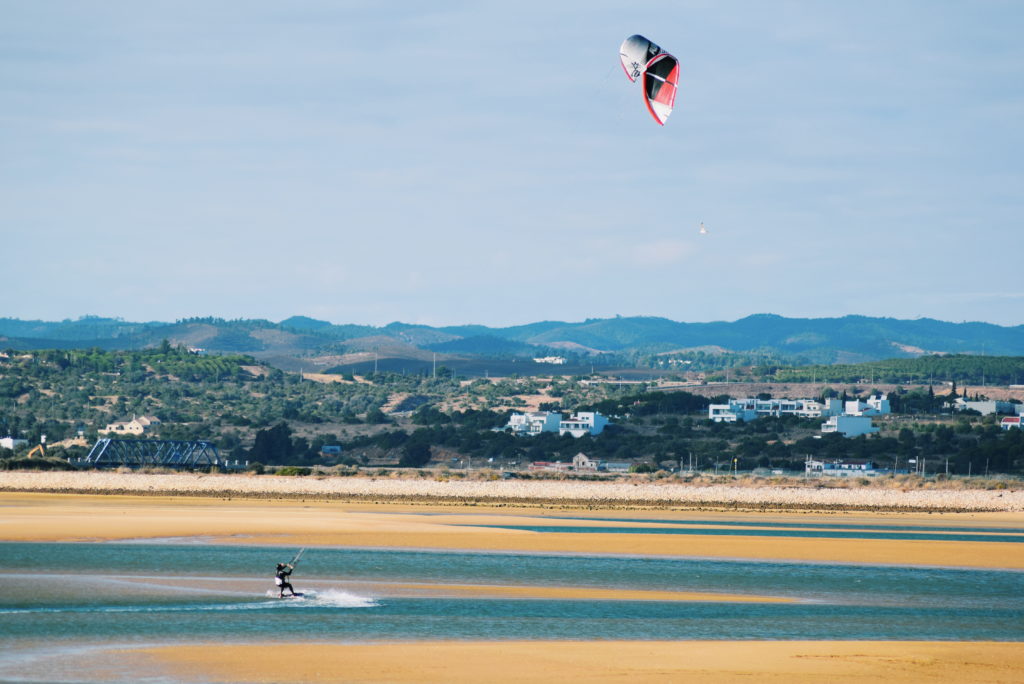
(136, 453)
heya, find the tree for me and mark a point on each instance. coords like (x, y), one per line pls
(273, 445)
(415, 455)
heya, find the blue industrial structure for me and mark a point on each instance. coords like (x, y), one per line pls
(167, 453)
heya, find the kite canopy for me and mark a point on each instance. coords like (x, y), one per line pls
(661, 81)
(635, 52)
(660, 72)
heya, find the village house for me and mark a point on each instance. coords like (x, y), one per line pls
(135, 426)
(536, 422)
(582, 462)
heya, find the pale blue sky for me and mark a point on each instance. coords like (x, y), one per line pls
(489, 162)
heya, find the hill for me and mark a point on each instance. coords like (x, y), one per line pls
(623, 342)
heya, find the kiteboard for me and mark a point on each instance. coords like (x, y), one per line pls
(295, 595)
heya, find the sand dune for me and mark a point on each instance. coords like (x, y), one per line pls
(518, 491)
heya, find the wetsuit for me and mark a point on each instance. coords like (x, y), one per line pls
(281, 579)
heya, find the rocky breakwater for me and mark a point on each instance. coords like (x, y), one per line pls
(618, 494)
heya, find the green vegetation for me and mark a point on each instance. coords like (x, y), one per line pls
(267, 417)
(925, 370)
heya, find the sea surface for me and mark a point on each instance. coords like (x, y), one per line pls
(60, 597)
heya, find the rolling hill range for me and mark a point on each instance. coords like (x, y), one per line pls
(302, 342)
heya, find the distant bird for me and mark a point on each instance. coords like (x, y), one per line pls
(703, 230)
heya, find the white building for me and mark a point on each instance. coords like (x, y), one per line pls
(748, 409)
(534, 423)
(554, 360)
(736, 409)
(840, 468)
(985, 408)
(876, 405)
(849, 426)
(12, 443)
(1007, 423)
(812, 408)
(583, 423)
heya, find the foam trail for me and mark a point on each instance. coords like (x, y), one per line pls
(333, 598)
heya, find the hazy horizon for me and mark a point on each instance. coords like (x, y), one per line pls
(570, 321)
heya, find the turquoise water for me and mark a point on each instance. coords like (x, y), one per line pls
(807, 525)
(141, 593)
(61, 600)
(833, 533)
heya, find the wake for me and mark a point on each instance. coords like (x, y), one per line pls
(329, 598)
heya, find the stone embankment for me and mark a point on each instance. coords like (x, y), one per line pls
(663, 494)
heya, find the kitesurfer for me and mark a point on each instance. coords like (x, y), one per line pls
(281, 578)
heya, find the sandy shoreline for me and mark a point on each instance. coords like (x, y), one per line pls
(637, 662)
(78, 517)
(521, 492)
(288, 512)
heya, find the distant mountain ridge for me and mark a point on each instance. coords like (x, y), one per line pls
(619, 340)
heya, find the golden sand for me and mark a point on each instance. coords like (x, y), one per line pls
(73, 517)
(70, 517)
(636, 662)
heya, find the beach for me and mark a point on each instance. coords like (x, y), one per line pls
(794, 494)
(934, 529)
(788, 662)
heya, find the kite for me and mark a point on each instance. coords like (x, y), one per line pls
(658, 72)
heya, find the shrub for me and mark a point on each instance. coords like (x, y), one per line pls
(294, 470)
(35, 464)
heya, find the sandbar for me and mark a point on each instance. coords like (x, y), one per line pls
(77, 517)
(637, 662)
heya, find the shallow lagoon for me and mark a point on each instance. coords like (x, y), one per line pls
(147, 593)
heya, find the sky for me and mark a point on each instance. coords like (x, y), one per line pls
(452, 162)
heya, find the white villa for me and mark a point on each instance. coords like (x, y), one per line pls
(876, 405)
(583, 423)
(848, 426)
(850, 419)
(750, 409)
(536, 422)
